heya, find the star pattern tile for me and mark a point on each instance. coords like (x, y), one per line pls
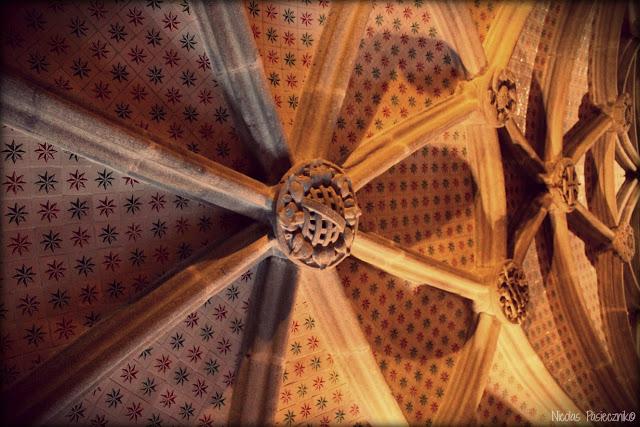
(79, 241)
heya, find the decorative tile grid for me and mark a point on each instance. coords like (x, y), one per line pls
(558, 351)
(506, 400)
(517, 185)
(588, 251)
(142, 63)
(426, 201)
(483, 12)
(556, 347)
(585, 271)
(415, 334)
(80, 240)
(541, 327)
(314, 389)
(588, 279)
(521, 63)
(185, 377)
(287, 34)
(522, 60)
(402, 68)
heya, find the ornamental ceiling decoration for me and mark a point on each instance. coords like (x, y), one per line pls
(79, 241)
(316, 212)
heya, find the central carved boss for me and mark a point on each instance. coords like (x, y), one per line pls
(564, 184)
(316, 214)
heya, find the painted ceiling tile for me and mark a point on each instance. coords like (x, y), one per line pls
(81, 240)
(287, 34)
(415, 334)
(140, 63)
(506, 401)
(401, 69)
(426, 201)
(483, 12)
(522, 60)
(314, 387)
(184, 377)
(557, 349)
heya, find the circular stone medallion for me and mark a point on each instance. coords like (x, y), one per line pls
(316, 214)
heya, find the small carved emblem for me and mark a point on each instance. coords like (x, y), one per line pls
(624, 242)
(513, 292)
(621, 111)
(316, 214)
(501, 98)
(564, 184)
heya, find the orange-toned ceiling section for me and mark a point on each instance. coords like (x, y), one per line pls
(483, 12)
(506, 401)
(314, 387)
(415, 334)
(549, 333)
(402, 68)
(80, 240)
(546, 325)
(184, 377)
(522, 61)
(517, 185)
(583, 252)
(426, 201)
(141, 63)
(535, 113)
(287, 35)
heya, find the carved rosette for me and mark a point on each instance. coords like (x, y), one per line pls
(621, 111)
(624, 242)
(316, 214)
(513, 292)
(563, 184)
(500, 98)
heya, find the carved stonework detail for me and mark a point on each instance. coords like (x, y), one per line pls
(624, 242)
(513, 292)
(563, 184)
(621, 111)
(316, 214)
(500, 99)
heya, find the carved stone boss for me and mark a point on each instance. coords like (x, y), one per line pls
(316, 214)
(621, 111)
(513, 292)
(563, 184)
(500, 98)
(623, 243)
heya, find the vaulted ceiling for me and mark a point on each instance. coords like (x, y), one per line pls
(150, 268)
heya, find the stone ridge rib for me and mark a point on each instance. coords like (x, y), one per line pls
(44, 115)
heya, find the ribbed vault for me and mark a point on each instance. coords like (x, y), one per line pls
(159, 262)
